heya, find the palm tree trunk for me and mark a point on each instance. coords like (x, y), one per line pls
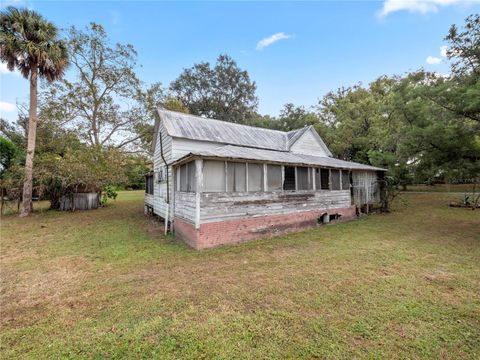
(32, 134)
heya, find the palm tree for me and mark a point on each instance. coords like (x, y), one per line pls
(30, 43)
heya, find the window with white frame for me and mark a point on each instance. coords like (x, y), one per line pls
(186, 177)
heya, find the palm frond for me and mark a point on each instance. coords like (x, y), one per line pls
(27, 39)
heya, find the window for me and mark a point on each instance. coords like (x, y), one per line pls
(213, 176)
(149, 184)
(161, 174)
(236, 176)
(183, 177)
(345, 180)
(274, 177)
(191, 176)
(325, 179)
(186, 177)
(335, 177)
(255, 177)
(304, 178)
(289, 180)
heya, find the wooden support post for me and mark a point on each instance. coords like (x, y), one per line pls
(246, 177)
(226, 176)
(265, 169)
(283, 176)
(329, 179)
(314, 175)
(198, 191)
(296, 179)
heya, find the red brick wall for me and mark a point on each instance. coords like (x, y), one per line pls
(238, 230)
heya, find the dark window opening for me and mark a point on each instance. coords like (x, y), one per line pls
(345, 180)
(289, 180)
(333, 217)
(325, 179)
(335, 178)
(149, 184)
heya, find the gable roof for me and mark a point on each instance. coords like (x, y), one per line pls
(198, 128)
(194, 127)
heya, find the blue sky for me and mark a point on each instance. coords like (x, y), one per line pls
(308, 48)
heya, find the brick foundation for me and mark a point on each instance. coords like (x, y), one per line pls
(238, 230)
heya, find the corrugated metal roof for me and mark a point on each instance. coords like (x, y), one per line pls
(245, 153)
(294, 135)
(198, 128)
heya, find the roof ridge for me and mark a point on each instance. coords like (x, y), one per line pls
(232, 123)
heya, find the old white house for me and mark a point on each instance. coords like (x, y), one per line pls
(217, 182)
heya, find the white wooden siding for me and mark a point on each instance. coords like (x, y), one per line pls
(149, 199)
(308, 144)
(224, 206)
(181, 147)
(185, 205)
(160, 189)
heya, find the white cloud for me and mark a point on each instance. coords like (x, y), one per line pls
(272, 39)
(420, 6)
(443, 50)
(7, 107)
(432, 60)
(4, 70)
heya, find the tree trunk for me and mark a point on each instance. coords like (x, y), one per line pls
(32, 133)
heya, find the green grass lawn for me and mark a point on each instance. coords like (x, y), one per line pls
(107, 284)
(463, 188)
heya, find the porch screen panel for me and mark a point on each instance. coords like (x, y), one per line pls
(191, 176)
(318, 179)
(213, 176)
(183, 177)
(289, 182)
(345, 180)
(303, 179)
(335, 177)
(236, 176)
(274, 177)
(325, 182)
(255, 177)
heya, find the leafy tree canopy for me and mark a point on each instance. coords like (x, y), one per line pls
(222, 92)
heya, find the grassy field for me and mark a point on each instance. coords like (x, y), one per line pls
(107, 284)
(463, 188)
